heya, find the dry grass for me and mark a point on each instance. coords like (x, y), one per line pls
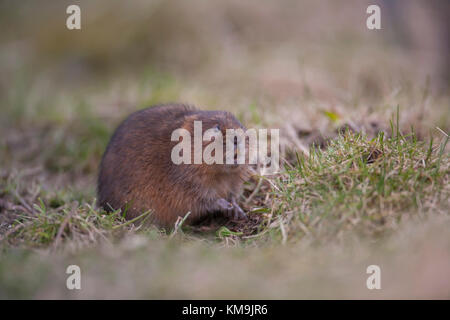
(364, 124)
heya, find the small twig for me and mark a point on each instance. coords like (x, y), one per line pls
(16, 228)
(22, 201)
(178, 224)
(132, 220)
(442, 131)
(283, 232)
(63, 225)
(255, 191)
(273, 185)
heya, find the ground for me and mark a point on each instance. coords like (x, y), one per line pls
(364, 124)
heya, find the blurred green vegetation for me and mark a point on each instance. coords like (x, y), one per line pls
(357, 187)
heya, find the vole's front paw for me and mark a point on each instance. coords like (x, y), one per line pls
(238, 213)
(224, 205)
(231, 209)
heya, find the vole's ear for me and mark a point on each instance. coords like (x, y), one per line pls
(190, 118)
(188, 122)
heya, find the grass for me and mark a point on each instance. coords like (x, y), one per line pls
(362, 184)
(363, 180)
(369, 185)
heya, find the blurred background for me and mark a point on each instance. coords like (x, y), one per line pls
(197, 37)
(284, 50)
(310, 68)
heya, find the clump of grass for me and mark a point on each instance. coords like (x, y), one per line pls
(42, 219)
(78, 225)
(355, 184)
(360, 184)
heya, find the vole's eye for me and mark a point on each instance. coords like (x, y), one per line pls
(217, 127)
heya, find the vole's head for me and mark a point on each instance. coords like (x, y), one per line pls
(224, 145)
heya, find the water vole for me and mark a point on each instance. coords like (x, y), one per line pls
(137, 173)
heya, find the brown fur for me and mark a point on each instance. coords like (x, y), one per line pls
(137, 173)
